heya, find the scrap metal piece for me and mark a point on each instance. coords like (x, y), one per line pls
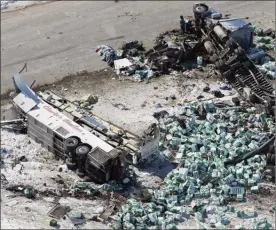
(107, 212)
(20, 86)
(12, 122)
(58, 211)
(122, 63)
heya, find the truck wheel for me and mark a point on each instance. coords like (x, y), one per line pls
(82, 150)
(70, 144)
(200, 8)
(80, 174)
(70, 164)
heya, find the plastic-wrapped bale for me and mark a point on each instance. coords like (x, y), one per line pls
(118, 221)
(261, 224)
(264, 60)
(225, 220)
(112, 186)
(175, 142)
(255, 189)
(167, 153)
(258, 31)
(265, 39)
(209, 106)
(128, 225)
(171, 226)
(271, 46)
(271, 74)
(153, 218)
(269, 65)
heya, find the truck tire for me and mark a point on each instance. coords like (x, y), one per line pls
(200, 8)
(70, 165)
(82, 150)
(70, 144)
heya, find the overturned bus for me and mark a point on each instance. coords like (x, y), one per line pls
(82, 150)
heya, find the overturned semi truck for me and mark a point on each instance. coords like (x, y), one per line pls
(226, 41)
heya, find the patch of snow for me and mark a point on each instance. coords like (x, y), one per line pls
(13, 3)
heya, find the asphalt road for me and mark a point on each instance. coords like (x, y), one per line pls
(59, 38)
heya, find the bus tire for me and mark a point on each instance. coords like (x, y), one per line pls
(70, 165)
(70, 144)
(80, 173)
(82, 150)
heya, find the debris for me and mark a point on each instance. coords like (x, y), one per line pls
(122, 64)
(126, 180)
(206, 89)
(53, 223)
(218, 93)
(144, 104)
(12, 122)
(112, 186)
(108, 54)
(4, 180)
(225, 86)
(30, 192)
(262, 224)
(107, 212)
(246, 214)
(58, 211)
(161, 114)
(86, 188)
(236, 101)
(199, 61)
(77, 221)
(27, 209)
(90, 99)
(22, 159)
(173, 97)
(78, 215)
(120, 106)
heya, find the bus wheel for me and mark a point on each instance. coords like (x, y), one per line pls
(70, 144)
(70, 165)
(82, 150)
(80, 173)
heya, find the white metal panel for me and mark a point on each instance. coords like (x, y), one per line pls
(24, 103)
(54, 119)
(122, 63)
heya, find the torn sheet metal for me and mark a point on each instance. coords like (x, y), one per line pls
(58, 211)
(122, 63)
(151, 147)
(20, 86)
(24, 103)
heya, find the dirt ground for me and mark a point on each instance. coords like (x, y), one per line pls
(59, 38)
